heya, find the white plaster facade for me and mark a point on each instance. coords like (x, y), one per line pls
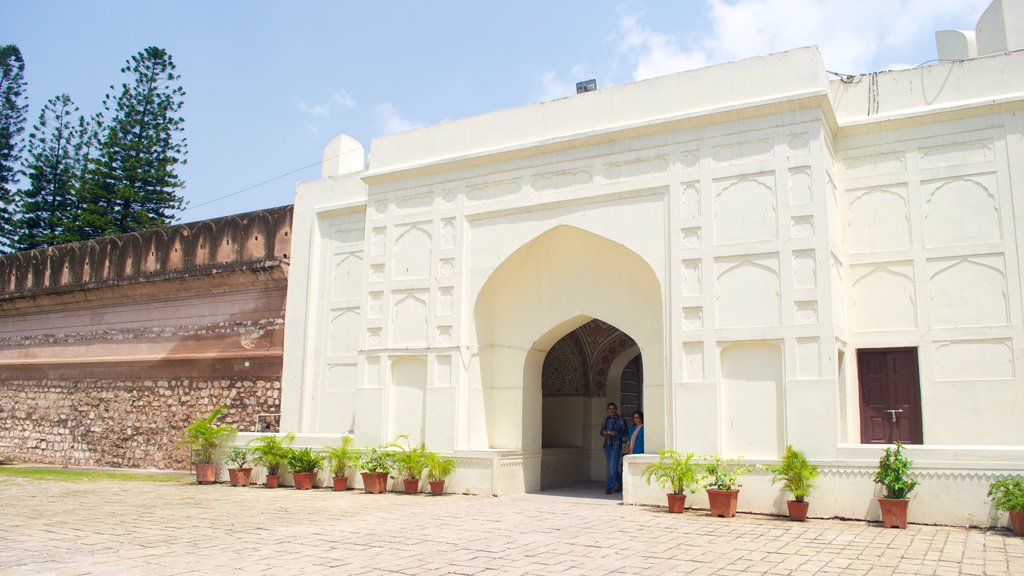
(751, 226)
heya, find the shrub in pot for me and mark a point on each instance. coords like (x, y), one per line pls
(676, 472)
(721, 481)
(271, 451)
(375, 465)
(408, 462)
(339, 459)
(236, 459)
(304, 463)
(204, 437)
(438, 468)
(893, 468)
(1008, 496)
(797, 476)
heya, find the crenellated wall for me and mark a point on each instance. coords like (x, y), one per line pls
(109, 347)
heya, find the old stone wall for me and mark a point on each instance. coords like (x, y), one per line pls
(122, 424)
(109, 348)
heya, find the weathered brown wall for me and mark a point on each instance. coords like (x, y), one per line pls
(109, 348)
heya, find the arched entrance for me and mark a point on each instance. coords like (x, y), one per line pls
(553, 285)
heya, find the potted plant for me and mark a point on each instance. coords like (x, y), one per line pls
(676, 472)
(237, 458)
(721, 481)
(339, 458)
(893, 467)
(375, 465)
(1008, 496)
(304, 464)
(409, 462)
(797, 477)
(271, 451)
(438, 468)
(203, 435)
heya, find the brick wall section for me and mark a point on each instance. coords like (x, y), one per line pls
(109, 348)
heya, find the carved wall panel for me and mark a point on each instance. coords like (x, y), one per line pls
(343, 333)
(347, 277)
(376, 272)
(378, 241)
(802, 226)
(376, 305)
(410, 320)
(690, 160)
(958, 154)
(747, 291)
(447, 267)
(412, 253)
(693, 361)
(961, 211)
(745, 209)
(445, 300)
(878, 219)
(805, 312)
(553, 181)
(692, 283)
(799, 143)
(800, 190)
(805, 272)
(808, 358)
(418, 203)
(341, 377)
(872, 165)
(493, 191)
(693, 318)
(448, 233)
(750, 151)
(974, 360)
(691, 200)
(443, 371)
(691, 237)
(752, 375)
(968, 292)
(883, 297)
(636, 168)
(406, 400)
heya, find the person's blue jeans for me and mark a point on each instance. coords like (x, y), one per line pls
(612, 455)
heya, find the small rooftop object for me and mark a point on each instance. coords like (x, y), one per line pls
(586, 86)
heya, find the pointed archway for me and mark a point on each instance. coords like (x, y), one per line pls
(549, 287)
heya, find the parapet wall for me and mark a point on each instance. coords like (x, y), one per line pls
(108, 348)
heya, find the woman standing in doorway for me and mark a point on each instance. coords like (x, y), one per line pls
(635, 442)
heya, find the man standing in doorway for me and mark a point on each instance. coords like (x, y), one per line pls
(614, 430)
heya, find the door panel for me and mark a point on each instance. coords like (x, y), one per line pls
(890, 405)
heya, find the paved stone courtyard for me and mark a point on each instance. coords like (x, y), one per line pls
(143, 528)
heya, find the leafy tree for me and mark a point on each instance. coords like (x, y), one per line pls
(131, 182)
(56, 148)
(13, 107)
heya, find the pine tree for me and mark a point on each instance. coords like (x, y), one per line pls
(131, 183)
(56, 148)
(13, 107)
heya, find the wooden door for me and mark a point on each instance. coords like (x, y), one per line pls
(890, 396)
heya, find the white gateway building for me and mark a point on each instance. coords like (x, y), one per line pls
(755, 254)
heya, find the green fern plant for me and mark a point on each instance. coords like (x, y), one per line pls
(271, 451)
(893, 468)
(437, 467)
(203, 435)
(408, 459)
(376, 460)
(305, 460)
(341, 457)
(673, 470)
(796, 474)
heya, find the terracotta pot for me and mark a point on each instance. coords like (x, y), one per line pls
(374, 482)
(723, 502)
(676, 502)
(340, 483)
(206, 473)
(303, 480)
(240, 476)
(437, 487)
(273, 480)
(1017, 522)
(797, 510)
(894, 512)
(412, 485)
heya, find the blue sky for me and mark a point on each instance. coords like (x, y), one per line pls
(270, 83)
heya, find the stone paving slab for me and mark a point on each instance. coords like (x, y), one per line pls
(160, 529)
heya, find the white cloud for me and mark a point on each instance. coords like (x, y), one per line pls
(390, 121)
(323, 110)
(851, 35)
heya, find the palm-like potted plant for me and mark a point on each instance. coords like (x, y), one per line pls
(271, 451)
(237, 458)
(675, 472)
(304, 463)
(340, 458)
(375, 465)
(893, 467)
(797, 476)
(205, 437)
(409, 462)
(1008, 496)
(438, 468)
(721, 481)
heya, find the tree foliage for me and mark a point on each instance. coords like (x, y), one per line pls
(131, 183)
(13, 107)
(57, 148)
